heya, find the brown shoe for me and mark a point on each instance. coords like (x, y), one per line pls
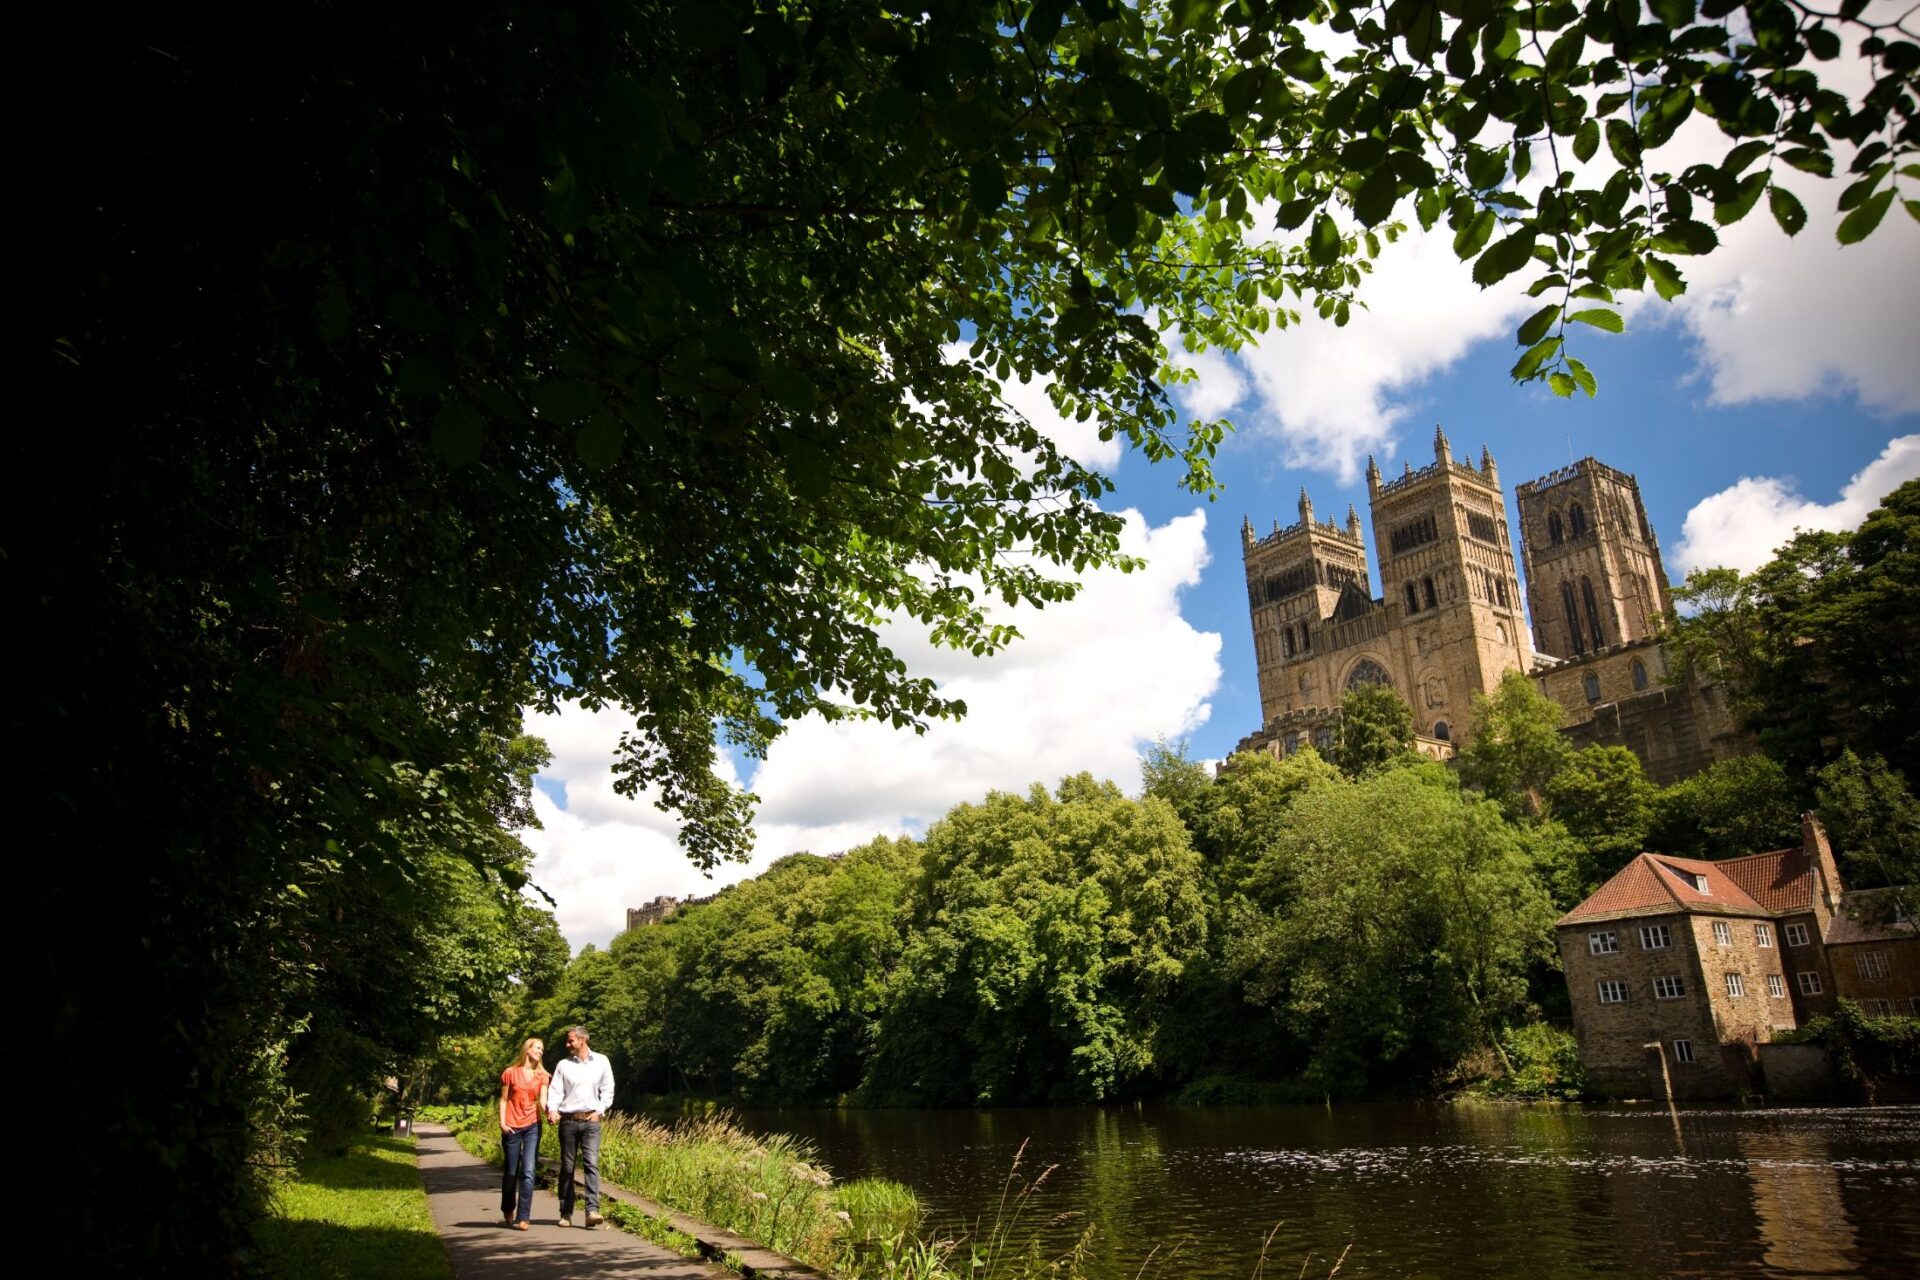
(520, 1226)
(594, 1220)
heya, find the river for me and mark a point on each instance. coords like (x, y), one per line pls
(1412, 1190)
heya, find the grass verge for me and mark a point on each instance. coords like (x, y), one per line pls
(358, 1216)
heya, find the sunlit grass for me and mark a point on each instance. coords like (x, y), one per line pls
(358, 1216)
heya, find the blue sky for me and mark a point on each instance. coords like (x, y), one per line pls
(1782, 390)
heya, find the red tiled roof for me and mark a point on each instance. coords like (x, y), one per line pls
(1779, 881)
(1651, 884)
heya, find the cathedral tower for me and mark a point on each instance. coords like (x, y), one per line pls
(1447, 574)
(1296, 577)
(1594, 577)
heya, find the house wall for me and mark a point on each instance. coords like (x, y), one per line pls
(1900, 988)
(1754, 1017)
(1808, 958)
(1614, 1037)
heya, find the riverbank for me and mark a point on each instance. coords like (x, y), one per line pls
(358, 1215)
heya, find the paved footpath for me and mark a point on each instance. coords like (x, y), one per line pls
(464, 1194)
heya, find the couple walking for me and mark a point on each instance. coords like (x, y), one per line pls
(576, 1096)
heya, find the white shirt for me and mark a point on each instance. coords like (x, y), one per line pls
(581, 1086)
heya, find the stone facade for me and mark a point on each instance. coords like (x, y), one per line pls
(655, 912)
(1449, 622)
(1448, 625)
(1679, 969)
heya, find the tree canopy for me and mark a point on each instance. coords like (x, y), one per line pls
(394, 371)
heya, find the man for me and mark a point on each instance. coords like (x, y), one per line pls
(581, 1092)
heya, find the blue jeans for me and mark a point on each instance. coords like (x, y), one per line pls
(522, 1150)
(579, 1143)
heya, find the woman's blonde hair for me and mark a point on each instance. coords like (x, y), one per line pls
(525, 1045)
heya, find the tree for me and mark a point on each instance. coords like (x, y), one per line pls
(1604, 801)
(1732, 808)
(1403, 917)
(1376, 729)
(1514, 746)
(1874, 821)
(446, 363)
(1820, 646)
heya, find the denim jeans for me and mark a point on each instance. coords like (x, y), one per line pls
(579, 1141)
(521, 1147)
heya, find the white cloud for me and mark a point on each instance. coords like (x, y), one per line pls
(1087, 687)
(1331, 395)
(1741, 526)
(1078, 440)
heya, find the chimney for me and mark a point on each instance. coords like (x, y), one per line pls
(1813, 838)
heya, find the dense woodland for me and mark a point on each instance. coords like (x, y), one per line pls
(391, 370)
(1372, 922)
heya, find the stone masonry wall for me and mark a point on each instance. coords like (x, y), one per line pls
(1613, 1037)
(1900, 988)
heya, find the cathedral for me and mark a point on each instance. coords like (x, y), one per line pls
(1449, 620)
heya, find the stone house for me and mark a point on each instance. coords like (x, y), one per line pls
(1678, 969)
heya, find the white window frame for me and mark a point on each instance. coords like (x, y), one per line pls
(1736, 986)
(1776, 987)
(1683, 1051)
(1655, 937)
(1612, 991)
(1796, 935)
(1763, 935)
(1603, 942)
(1722, 933)
(1674, 987)
(1810, 983)
(1871, 965)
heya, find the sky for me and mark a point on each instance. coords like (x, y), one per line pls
(1782, 391)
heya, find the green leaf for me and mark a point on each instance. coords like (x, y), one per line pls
(1600, 318)
(1787, 210)
(1808, 160)
(1745, 196)
(599, 442)
(987, 185)
(1859, 224)
(1302, 63)
(1667, 281)
(459, 433)
(1504, 258)
(1538, 324)
(1562, 384)
(1323, 243)
(1581, 377)
(1686, 237)
(565, 399)
(1586, 141)
(1536, 355)
(1376, 197)
(1469, 238)
(1123, 220)
(1624, 143)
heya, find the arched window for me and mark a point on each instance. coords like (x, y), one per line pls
(1413, 601)
(1287, 639)
(1553, 526)
(1639, 674)
(1593, 613)
(1501, 589)
(1368, 672)
(1441, 731)
(1306, 638)
(1577, 517)
(1574, 633)
(1592, 683)
(1431, 600)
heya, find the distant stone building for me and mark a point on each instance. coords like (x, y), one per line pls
(1449, 620)
(655, 912)
(1679, 969)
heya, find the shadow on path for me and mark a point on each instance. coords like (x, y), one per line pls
(464, 1194)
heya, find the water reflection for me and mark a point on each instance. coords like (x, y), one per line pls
(1798, 1210)
(1416, 1190)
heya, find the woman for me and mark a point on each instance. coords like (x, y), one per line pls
(523, 1098)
